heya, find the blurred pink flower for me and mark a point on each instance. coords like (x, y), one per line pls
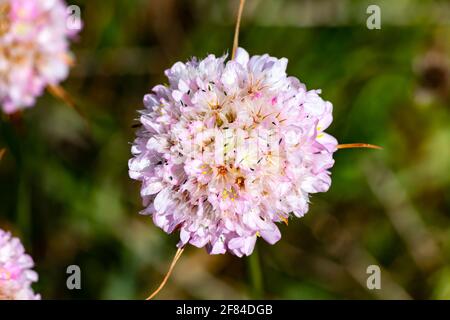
(34, 50)
(229, 148)
(16, 275)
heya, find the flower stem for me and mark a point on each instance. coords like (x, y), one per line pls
(358, 145)
(172, 266)
(236, 31)
(60, 93)
(254, 265)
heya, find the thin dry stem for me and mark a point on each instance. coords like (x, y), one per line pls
(59, 93)
(358, 145)
(2, 153)
(236, 31)
(172, 266)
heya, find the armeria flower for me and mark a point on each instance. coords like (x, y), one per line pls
(230, 148)
(16, 275)
(34, 50)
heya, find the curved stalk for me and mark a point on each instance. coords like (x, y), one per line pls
(172, 266)
(236, 31)
(358, 145)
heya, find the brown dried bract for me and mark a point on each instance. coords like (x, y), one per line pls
(4, 20)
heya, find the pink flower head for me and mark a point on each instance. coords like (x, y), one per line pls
(16, 275)
(230, 148)
(34, 50)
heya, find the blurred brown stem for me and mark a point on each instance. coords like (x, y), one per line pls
(59, 93)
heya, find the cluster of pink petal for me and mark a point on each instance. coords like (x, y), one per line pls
(16, 275)
(34, 50)
(223, 195)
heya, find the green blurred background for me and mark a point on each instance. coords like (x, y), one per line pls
(65, 191)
